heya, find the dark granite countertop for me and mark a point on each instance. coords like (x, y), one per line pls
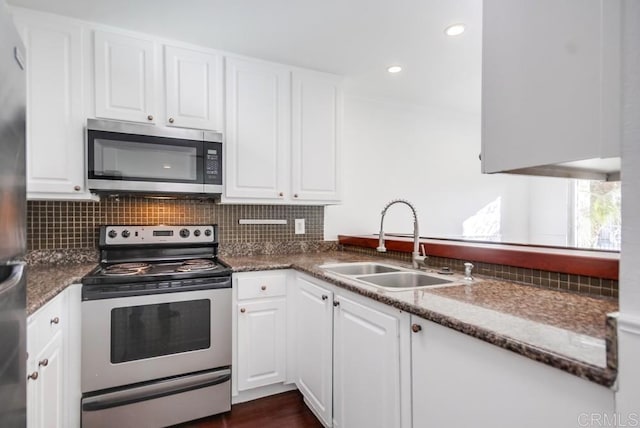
(565, 330)
(45, 282)
(568, 331)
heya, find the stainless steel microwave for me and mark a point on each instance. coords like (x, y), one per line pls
(126, 157)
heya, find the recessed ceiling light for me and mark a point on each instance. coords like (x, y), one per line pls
(454, 30)
(394, 69)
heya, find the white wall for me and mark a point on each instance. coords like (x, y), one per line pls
(628, 397)
(430, 157)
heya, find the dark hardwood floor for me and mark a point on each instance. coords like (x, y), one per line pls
(286, 410)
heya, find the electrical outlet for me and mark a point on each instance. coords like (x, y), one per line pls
(299, 226)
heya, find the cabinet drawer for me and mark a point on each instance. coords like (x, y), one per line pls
(46, 322)
(264, 285)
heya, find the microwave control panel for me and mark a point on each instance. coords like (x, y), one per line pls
(213, 163)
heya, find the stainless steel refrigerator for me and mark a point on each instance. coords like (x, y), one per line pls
(13, 352)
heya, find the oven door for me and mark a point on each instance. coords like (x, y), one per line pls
(134, 339)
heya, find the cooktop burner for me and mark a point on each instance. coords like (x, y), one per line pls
(126, 269)
(196, 265)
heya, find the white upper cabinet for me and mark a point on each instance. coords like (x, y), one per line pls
(550, 85)
(55, 64)
(282, 125)
(283, 134)
(194, 88)
(257, 130)
(315, 141)
(125, 77)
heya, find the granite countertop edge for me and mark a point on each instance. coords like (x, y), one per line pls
(46, 282)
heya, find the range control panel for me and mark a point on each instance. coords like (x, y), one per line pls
(136, 235)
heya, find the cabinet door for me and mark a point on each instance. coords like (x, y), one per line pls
(315, 141)
(124, 77)
(497, 388)
(261, 343)
(550, 82)
(257, 130)
(314, 346)
(48, 387)
(366, 367)
(193, 88)
(55, 118)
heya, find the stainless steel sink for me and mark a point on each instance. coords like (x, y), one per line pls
(403, 280)
(387, 277)
(359, 268)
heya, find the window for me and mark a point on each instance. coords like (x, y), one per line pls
(597, 215)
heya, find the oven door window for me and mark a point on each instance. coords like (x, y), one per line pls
(139, 332)
(116, 156)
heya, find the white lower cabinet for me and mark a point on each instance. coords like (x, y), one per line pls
(260, 317)
(495, 387)
(357, 364)
(53, 383)
(366, 379)
(261, 344)
(47, 390)
(350, 365)
(314, 346)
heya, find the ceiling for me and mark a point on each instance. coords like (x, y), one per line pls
(355, 38)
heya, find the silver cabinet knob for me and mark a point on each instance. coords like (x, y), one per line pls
(55, 320)
(295, 195)
(171, 120)
(264, 287)
(280, 194)
(43, 363)
(77, 188)
(325, 297)
(150, 117)
(33, 376)
(416, 328)
(336, 303)
(243, 310)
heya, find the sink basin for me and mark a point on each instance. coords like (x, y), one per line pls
(359, 268)
(397, 280)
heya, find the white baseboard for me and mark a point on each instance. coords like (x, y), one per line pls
(264, 391)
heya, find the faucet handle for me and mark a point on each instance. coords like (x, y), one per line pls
(424, 252)
(468, 267)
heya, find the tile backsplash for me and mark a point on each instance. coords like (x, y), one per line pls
(588, 285)
(75, 225)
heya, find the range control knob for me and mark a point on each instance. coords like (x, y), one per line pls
(196, 232)
(207, 232)
(126, 233)
(113, 233)
(184, 233)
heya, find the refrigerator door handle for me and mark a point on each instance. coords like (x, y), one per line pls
(13, 279)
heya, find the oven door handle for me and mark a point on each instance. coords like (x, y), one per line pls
(155, 390)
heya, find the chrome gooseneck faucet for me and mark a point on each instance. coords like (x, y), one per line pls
(416, 258)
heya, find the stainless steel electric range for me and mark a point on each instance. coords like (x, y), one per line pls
(156, 328)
